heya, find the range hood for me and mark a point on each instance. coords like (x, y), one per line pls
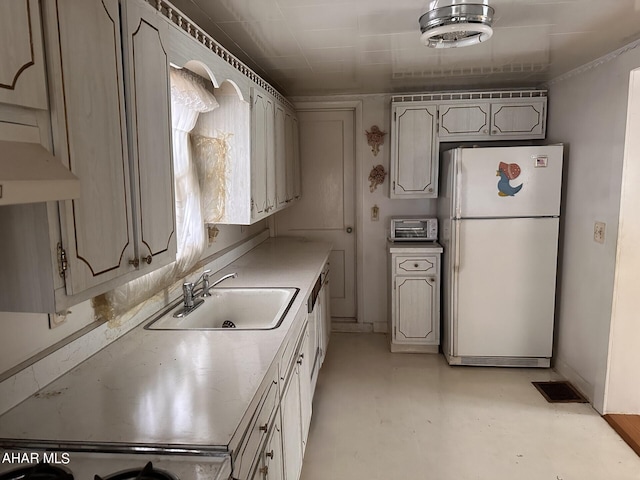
(29, 174)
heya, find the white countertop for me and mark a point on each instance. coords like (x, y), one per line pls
(414, 247)
(172, 388)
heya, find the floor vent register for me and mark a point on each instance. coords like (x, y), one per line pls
(559, 392)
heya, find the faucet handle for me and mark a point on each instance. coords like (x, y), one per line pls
(187, 292)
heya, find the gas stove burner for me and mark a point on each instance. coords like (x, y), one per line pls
(41, 471)
(146, 473)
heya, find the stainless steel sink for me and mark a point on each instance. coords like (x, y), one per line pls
(232, 308)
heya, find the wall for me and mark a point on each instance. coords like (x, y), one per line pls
(372, 235)
(25, 335)
(587, 112)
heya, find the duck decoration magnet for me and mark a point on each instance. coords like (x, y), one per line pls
(508, 172)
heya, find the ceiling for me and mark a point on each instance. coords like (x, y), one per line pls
(320, 47)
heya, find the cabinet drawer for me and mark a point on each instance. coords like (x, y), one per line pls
(418, 265)
(257, 431)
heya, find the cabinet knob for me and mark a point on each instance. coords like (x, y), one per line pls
(300, 359)
(415, 265)
(135, 262)
(264, 470)
(269, 454)
(485, 131)
(148, 259)
(430, 189)
(494, 132)
(264, 428)
(349, 229)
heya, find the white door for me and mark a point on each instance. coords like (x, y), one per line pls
(326, 210)
(505, 287)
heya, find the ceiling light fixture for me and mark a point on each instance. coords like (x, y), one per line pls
(456, 23)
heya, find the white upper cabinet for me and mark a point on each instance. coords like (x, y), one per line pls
(263, 155)
(92, 137)
(112, 127)
(518, 119)
(281, 158)
(150, 150)
(463, 120)
(22, 67)
(414, 163)
(421, 122)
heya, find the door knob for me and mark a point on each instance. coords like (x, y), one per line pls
(349, 229)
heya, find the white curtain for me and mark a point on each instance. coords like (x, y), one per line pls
(189, 98)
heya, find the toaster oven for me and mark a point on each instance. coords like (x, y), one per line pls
(414, 230)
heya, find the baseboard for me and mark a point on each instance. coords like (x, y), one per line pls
(399, 348)
(380, 327)
(348, 327)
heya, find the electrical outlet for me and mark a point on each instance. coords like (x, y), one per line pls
(598, 232)
(57, 319)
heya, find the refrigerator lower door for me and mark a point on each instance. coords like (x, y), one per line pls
(505, 282)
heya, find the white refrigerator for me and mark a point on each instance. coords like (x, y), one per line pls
(499, 212)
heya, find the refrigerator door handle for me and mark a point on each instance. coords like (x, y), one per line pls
(453, 327)
(458, 185)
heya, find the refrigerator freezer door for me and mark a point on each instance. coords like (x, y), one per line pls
(505, 282)
(508, 181)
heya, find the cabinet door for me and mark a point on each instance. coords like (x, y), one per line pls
(270, 135)
(259, 114)
(413, 169)
(297, 172)
(524, 119)
(273, 458)
(289, 155)
(22, 70)
(90, 129)
(281, 158)
(463, 121)
(306, 364)
(292, 427)
(148, 99)
(415, 310)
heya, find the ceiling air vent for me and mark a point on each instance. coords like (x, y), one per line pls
(456, 23)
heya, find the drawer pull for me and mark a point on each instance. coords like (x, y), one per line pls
(269, 454)
(264, 428)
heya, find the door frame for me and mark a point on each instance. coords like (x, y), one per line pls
(356, 107)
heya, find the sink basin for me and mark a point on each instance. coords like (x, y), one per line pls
(236, 308)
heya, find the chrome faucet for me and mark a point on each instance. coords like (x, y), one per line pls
(206, 287)
(190, 302)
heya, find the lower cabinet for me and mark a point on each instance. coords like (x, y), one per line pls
(272, 445)
(292, 427)
(270, 465)
(296, 411)
(415, 298)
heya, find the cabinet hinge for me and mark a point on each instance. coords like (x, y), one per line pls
(395, 116)
(63, 264)
(394, 284)
(394, 186)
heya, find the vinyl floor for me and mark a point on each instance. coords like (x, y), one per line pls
(384, 416)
